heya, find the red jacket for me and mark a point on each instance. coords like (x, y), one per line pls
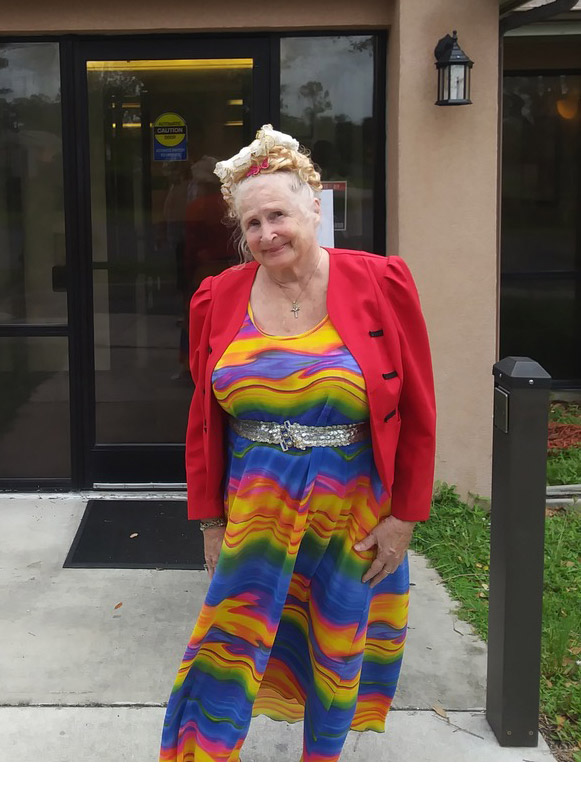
(373, 303)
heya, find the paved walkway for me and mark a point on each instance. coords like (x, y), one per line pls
(82, 680)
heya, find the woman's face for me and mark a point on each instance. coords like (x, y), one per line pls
(279, 231)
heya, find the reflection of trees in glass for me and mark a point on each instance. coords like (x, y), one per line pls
(34, 112)
(318, 99)
(541, 150)
(341, 65)
(31, 185)
(283, 96)
(540, 130)
(357, 44)
(319, 112)
(121, 82)
(327, 104)
(333, 107)
(29, 113)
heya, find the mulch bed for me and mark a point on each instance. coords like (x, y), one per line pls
(564, 435)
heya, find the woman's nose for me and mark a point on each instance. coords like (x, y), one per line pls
(267, 232)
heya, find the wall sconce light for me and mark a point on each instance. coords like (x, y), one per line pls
(453, 72)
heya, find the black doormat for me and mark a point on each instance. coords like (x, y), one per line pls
(137, 534)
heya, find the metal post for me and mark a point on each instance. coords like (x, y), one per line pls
(519, 464)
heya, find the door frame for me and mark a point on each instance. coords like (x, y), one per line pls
(76, 276)
(92, 464)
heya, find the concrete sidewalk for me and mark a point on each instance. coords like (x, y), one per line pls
(83, 681)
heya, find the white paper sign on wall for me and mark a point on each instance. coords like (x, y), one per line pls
(326, 231)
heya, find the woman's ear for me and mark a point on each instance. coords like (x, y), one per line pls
(317, 210)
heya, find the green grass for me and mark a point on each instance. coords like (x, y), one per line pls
(565, 413)
(456, 541)
(564, 466)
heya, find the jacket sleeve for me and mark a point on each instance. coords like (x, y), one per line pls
(195, 459)
(199, 308)
(415, 455)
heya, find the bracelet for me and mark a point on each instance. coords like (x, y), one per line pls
(219, 521)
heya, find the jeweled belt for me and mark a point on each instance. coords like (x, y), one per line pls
(297, 435)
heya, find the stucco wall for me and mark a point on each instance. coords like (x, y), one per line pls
(442, 209)
(442, 172)
(184, 15)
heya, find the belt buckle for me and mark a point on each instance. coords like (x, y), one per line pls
(286, 436)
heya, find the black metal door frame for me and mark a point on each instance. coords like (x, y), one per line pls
(130, 463)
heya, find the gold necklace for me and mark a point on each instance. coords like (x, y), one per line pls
(295, 307)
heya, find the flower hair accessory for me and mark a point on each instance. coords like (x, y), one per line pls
(245, 161)
(257, 168)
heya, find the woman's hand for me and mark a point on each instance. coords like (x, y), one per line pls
(213, 537)
(392, 537)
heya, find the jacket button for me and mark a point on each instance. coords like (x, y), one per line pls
(389, 415)
(209, 350)
(390, 375)
(375, 333)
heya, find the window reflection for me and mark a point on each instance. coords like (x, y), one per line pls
(157, 222)
(326, 86)
(541, 231)
(32, 248)
(34, 408)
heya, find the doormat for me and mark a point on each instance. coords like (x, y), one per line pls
(121, 533)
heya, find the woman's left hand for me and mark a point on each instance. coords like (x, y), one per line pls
(392, 537)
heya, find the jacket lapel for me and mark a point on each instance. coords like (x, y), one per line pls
(230, 295)
(353, 310)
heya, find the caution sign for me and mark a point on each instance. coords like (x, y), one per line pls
(170, 138)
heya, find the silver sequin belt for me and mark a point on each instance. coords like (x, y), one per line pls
(297, 435)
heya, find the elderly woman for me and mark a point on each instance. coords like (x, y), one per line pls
(309, 452)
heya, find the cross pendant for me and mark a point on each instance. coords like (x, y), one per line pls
(295, 309)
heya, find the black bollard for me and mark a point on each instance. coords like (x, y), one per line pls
(519, 466)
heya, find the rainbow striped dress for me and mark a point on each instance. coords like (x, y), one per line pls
(288, 629)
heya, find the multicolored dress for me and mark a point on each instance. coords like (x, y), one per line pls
(288, 628)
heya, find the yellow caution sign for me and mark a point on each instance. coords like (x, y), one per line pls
(170, 138)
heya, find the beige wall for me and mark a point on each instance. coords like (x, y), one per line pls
(442, 172)
(183, 15)
(442, 215)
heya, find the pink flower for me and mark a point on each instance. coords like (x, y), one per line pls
(256, 169)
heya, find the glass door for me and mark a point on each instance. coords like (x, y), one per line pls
(540, 297)
(159, 116)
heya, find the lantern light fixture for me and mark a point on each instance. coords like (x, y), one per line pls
(453, 72)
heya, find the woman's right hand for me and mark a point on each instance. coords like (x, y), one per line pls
(213, 537)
